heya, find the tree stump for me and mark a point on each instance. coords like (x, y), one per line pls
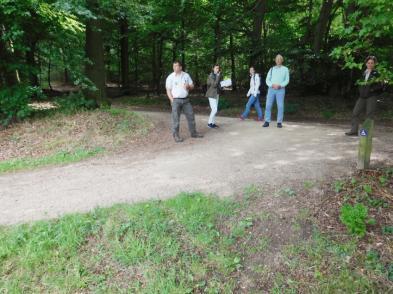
(365, 144)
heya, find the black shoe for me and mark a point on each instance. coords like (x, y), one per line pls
(279, 125)
(266, 124)
(197, 135)
(177, 138)
(215, 126)
(211, 126)
(351, 134)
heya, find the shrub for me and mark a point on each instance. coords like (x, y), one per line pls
(74, 102)
(223, 103)
(291, 108)
(14, 103)
(354, 218)
(328, 114)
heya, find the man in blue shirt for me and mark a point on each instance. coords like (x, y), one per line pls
(277, 79)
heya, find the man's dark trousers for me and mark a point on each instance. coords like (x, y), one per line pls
(179, 105)
(369, 105)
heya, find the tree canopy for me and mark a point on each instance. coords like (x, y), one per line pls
(91, 43)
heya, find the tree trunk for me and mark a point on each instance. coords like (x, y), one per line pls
(322, 23)
(95, 67)
(124, 52)
(174, 50)
(49, 74)
(136, 60)
(259, 13)
(183, 43)
(217, 40)
(153, 61)
(233, 65)
(7, 77)
(309, 27)
(329, 24)
(159, 63)
(30, 61)
(66, 74)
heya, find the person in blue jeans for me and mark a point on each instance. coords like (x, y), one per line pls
(277, 79)
(253, 96)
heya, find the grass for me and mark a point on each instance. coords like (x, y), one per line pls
(173, 246)
(58, 138)
(55, 159)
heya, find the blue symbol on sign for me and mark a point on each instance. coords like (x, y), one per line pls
(363, 133)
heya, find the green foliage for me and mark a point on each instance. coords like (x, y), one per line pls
(390, 272)
(367, 188)
(338, 186)
(373, 262)
(308, 185)
(224, 103)
(239, 230)
(252, 191)
(289, 192)
(75, 102)
(371, 24)
(387, 230)
(328, 114)
(354, 218)
(291, 108)
(14, 103)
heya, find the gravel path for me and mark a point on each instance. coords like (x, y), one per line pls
(224, 162)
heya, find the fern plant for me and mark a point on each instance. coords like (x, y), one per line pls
(354, 218)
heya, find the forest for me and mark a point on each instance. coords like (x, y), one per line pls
(94, 45)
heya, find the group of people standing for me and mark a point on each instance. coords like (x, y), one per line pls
(179, 83)
(276, 79)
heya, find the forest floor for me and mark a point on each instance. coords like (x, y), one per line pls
(279, 230)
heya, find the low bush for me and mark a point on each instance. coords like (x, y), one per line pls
(14, 103)
(224, 103)
(75, 102)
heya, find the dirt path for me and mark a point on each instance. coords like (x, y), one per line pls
(224, 162)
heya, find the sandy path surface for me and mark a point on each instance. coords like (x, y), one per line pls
(223, 162)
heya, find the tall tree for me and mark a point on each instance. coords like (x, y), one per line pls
(259, 10)
(124, 51)
(95, 67)
(322, 24)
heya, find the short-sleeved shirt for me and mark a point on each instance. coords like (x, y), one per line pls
(176, 84)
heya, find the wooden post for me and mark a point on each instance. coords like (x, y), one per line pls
(365, 144)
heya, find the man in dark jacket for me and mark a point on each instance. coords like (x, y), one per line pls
(368, 95)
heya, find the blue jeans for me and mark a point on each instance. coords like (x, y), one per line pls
(279, 96)
(253, 101)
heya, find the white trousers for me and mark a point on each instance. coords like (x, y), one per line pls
(214, 107)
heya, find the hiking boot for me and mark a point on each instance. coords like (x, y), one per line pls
(279, 125)
(211, 126)
(177, 138)
(266, 124)
(196, 135)
(351, 134)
